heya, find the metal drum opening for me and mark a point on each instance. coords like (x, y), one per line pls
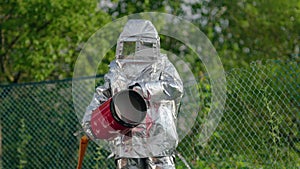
(128, 108)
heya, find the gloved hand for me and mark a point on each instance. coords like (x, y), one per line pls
(137, 88)
(87, 129)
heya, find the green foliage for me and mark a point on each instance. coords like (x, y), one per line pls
(126, 7)
(24, 140)
(36, 124)
(256, 30)
(260, 124)
(41, 39)
(247, 30)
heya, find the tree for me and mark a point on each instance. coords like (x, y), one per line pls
(241, 31)
(249, 30)
(40, 40)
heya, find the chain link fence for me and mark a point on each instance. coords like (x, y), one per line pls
(260, 127)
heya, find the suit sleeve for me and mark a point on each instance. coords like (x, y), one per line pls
(168, 87)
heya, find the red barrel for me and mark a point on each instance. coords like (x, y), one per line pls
(119, 114)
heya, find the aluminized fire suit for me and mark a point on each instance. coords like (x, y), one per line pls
(140, 65)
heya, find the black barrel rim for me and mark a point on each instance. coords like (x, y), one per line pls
(139, 100)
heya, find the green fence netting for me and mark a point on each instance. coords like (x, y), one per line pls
(260, 127)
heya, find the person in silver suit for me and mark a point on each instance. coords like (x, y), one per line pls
(140, 66)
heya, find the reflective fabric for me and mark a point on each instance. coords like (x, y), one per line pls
(146, 163)
(160, 85)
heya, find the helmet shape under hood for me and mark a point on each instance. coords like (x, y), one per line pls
(137, 52)
(139, 41)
